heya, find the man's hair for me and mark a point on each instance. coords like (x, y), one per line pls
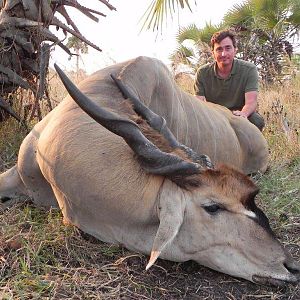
(221, 35)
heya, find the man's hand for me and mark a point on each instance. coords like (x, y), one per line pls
(240, 113)
(202, 98)
(250, 105)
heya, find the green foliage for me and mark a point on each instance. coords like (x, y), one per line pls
(280, 188)
(296, 60)
(195, 34)
(239, 12)
(79, 47)
(265, 29)
(280, 198)
(77, 44)
(159, 10)
(197, 51)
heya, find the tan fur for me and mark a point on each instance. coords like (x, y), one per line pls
(234, 186)
(205, 127)
(71, 161)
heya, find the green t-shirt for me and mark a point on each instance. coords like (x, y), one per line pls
(229, 92)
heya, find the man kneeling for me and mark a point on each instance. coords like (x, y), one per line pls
(229, 81)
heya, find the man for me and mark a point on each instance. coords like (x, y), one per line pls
(229, 81)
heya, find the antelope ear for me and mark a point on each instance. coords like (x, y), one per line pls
(171, 212)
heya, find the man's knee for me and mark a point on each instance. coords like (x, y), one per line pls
(257, 120)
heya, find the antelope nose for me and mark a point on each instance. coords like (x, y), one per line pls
(293, 267)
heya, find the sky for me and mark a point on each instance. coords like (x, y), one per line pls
(120, 37)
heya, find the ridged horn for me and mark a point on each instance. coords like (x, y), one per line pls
(158, 123)
(152, 159)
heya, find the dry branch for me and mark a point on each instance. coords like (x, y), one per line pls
(6, 107)
(58, 23)
(62, 10)
(24, 27)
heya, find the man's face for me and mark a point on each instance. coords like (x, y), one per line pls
(224, 52)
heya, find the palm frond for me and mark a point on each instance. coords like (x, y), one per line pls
(185, 51)
(190, 32)
(208, 30)
(182, 55)
(294, 17)
(159, 10)
(239, 14)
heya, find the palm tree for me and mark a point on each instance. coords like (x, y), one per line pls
(159, 10)
(266, 29)
(24, 53)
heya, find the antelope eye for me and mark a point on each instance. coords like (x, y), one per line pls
(212, 209)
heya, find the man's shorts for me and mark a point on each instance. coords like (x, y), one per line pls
(257, 120)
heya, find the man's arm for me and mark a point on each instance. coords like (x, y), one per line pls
(199, 87)
(250, 105)
(251, 93)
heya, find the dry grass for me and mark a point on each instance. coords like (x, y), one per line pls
(11, 137)
(57, 91)
(40, 258)
(280, 107)
(25, 103)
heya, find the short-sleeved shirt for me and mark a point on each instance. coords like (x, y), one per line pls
(229, 92)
